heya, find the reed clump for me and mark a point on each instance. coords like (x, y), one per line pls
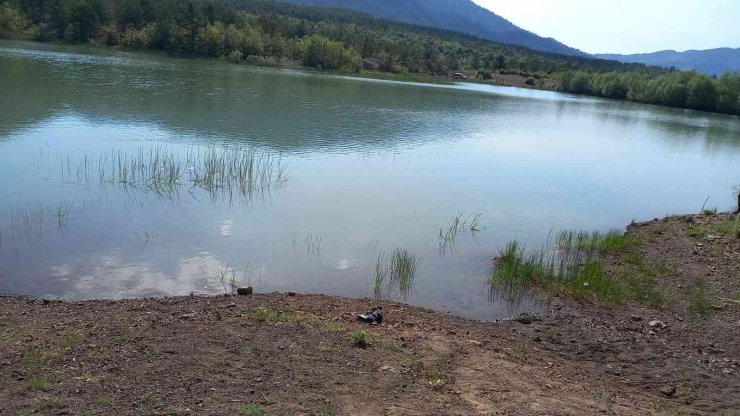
(396, 272)
(572, 267)
(216, 170)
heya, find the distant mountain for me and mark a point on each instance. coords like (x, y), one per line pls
(710, 61)
(457, 15)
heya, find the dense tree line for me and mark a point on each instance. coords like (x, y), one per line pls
(683, 89)
(264, 32)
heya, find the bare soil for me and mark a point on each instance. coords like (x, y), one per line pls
(288, 354)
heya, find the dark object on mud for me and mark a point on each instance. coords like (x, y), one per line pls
(244, 291)
(527, 318)
(668, 391)
(373, 316)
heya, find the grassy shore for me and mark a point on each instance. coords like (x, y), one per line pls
(279, 354)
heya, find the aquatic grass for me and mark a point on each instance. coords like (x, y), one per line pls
(381, 273)
(62, 216)
(403, 267)
(589, 242)
(219, 171)
(231, 278)
(313, 245)
(573, 267)
(448, 234)
(27, 222)
(399, 271)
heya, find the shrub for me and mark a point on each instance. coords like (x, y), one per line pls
(360, 339)
(235, 56)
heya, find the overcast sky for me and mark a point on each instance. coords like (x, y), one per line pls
(627, 26)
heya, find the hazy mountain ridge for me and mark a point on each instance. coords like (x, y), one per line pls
(711, 61)
(457, 15)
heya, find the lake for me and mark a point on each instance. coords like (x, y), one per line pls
(129, 175)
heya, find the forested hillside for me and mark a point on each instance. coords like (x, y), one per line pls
(457, 15)
(269, 33)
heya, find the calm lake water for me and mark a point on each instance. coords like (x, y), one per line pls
(108, 188)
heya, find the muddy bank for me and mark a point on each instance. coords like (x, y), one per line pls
(278, 354)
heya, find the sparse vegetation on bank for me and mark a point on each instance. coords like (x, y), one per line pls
(572, 267)
(613, 267)
(288, 353)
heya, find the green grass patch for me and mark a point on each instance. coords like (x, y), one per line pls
(123, 335)
(174, 410)
(73, 340)
(252, 410)
(34, 368)
(280, 315)
(695, 231)
(10, 332)
(362, 339)
(37, 382)
(329, 410)
(729, 226)
(574, 268)
(702, 302)
(435, 375)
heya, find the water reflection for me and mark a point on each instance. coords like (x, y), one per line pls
(292, 111)
(132, 175)
(114, 277)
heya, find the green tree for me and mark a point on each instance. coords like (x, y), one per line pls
(701, 93)
(83, 17)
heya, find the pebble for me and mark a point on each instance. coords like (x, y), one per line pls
(657, 324)
(668, 391)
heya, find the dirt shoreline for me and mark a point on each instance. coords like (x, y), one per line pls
(285, 354)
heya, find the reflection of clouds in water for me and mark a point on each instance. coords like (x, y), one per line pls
(344, 264)
(226, 227)
(112, 277)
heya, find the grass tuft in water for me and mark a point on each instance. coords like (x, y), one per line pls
(219, 171)
(448, 235)
(399, 271)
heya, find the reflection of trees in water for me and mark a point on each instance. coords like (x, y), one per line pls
(289, 111)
